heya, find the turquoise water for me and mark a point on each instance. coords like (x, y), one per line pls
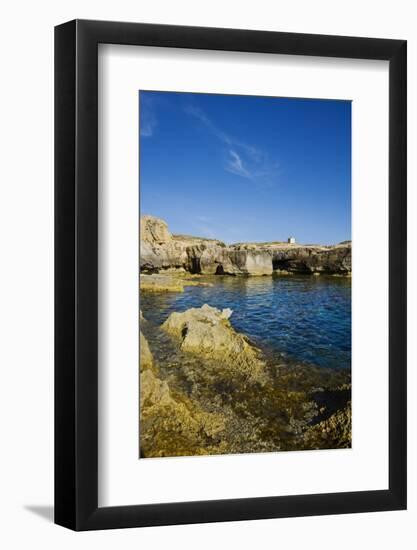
(301, 318)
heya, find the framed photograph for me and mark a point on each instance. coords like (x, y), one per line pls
(230, 252)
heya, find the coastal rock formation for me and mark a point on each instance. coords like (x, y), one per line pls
(230, 261)
(146, 359)
(155, 256)
(171, 424)
(206, 388)
(313, 259)
(160, 283)
(167, 283)
(154, 230)
(160, 250)
(206, 331)
(220, 397)
(335, 432)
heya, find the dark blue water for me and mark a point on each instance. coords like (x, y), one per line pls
(303, 318)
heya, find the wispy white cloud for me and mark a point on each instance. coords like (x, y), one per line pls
(148, 120)
(203, 118)
(147, 128)
(242, 159)
(147, 124)
(235, 165)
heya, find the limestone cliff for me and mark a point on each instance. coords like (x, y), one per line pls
(160, 250)
(154, 230)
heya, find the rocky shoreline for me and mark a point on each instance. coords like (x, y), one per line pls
(213, 391)
(225, 397)
(167, 283)
(161, 251)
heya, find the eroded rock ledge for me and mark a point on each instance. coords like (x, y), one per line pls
(207, 331)
(160, 250)
(224, 397)
(167, 283)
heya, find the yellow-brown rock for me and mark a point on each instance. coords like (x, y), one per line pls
(170, 423)
(207, 331)
(146, 359)
(167, 283)
(161, 250)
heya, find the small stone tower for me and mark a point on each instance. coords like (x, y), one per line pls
(291, 240)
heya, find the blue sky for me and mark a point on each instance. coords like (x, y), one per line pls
(244, 168)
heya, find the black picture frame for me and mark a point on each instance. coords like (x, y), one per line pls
(76, 272)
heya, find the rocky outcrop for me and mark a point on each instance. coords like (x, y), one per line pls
(231, 261)
(171, 424)
(312, 259)
(335, 432)
(167, 283)
(160, 250)
(219, 394)
(206, 331)
(155, 257)
(146, 359)
(154, 230)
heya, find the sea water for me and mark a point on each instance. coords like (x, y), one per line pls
(301, 318)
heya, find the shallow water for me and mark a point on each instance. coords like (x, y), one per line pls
(303, 318)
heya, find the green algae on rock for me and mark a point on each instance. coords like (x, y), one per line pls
(167, 283)
(170, 423)
(335, 432)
